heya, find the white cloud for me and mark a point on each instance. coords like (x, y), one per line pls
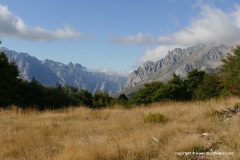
(111, 72)
(211, 26)
(114, 72)
(157, 53)
(236, 15)
(13, 26)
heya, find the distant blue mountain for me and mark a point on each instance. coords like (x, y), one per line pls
(49, 73)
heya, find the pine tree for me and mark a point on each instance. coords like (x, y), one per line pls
(8, 81)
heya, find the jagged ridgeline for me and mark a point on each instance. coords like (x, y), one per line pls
(50, 73)
(178, 61)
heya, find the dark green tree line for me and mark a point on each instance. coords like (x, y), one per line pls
(198, 85)
(25, 94)
(8, 81)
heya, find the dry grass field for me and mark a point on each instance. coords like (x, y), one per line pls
(117, 133)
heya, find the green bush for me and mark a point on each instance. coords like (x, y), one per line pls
(155, 118)
(144, 95)
(174, 90)
(236, 106)
(230, 72)
(210, 87)
(101, 99)
(194, 79)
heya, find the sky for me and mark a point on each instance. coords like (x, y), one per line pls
(115, 35)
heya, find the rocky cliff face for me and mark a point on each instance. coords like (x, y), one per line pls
(50, 73)
(179, 61)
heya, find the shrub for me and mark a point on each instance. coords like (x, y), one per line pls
(144, 95)
(123, 99)
(210, 87)
(230, 72)
(237, 106)
(155, 118)
(194, 79)
(173, 90)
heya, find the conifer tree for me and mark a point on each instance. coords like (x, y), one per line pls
(8, 81)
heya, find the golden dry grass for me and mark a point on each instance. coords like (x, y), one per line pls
(85, 134)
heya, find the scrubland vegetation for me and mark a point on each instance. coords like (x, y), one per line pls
(160, 121)
(158, 131)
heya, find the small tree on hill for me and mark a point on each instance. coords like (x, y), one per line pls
(209, 88)
(173, 90)
(230, 72)
(194, 79)
(85, 98)
(8, 81)
(101, 99)
(123, 99)
(144, 95)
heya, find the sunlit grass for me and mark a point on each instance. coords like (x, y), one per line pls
(117, 133)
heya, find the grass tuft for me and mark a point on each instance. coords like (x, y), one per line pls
(155, 118)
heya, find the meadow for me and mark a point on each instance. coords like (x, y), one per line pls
(183, 129)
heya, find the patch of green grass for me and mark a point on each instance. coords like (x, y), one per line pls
(155, 118)
(236, 106)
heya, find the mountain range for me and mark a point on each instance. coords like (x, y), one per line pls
(178, 61)
(51, 73)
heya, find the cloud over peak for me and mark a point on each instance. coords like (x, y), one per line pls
(211, 26)
(13, 26)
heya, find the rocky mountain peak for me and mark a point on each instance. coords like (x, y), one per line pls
(50, 73)
(179, 61)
